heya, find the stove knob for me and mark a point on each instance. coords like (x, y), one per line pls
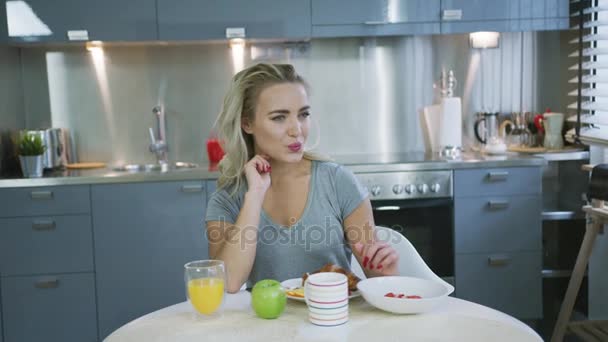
(375, 190)
(423, 188)
(435, 187)
(410, 189)
(397, 189)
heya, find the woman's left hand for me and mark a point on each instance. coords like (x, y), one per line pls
(377, 258)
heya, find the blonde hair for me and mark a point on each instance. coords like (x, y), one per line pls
(240, 101)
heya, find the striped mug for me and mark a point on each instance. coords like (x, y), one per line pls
(326, 296)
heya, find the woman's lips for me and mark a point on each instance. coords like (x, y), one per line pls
(295, 147)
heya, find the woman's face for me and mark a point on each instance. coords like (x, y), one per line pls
(281, 123)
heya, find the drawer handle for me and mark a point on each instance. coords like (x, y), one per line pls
(192, 188)
(376, 22)
(41, 195)
(43, 225)
(498, 204)
(47, 284)
(497, 176)
(499, 260)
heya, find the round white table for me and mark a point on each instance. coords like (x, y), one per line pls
(455, 320)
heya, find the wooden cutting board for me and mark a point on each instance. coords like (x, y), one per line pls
(543, 150)
(88, 165)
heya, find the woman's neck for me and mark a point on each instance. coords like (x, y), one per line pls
(286, 172)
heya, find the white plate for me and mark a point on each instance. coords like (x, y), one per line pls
(297, 282)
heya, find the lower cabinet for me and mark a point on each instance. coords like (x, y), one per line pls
(144, 233)
(508, 282)
(498, 239)
(53, 307)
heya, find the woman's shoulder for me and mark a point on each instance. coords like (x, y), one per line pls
(229, 193)
(330, 168)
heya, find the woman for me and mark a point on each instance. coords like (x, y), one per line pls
(280, 211)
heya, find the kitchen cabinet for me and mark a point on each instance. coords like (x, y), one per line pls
(460, 16)
(144, 234)
(65, 20)
(347, 18)
(497, 234)
(210, 19)
(47, 288)
(58, 307)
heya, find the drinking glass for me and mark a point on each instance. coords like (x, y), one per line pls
(205, 285)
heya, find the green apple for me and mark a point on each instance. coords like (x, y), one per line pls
(268, 298)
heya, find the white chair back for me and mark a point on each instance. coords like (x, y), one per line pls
(410, 262)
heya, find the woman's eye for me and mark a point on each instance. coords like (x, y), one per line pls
(278, 118)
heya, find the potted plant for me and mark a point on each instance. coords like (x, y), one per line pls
(30, 149)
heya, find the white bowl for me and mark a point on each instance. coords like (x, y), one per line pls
(432, 292)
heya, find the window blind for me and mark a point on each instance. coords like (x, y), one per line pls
(590, 20)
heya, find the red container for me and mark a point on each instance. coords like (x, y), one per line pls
(215, 153)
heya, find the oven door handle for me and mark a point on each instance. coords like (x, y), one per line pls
(388, 208)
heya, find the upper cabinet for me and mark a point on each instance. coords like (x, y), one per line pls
(77, 20)
(344, 18)
(460, 16)
(218, 19)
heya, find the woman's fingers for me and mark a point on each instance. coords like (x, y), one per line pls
(381, 254)
(261, 164)
(370, 253)
(388, 260)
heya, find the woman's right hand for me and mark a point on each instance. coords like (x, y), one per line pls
(257, 172)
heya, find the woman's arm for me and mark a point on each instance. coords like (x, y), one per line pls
(236, 243)
(376, 258)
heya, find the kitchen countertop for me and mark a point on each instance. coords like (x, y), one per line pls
(359, 163)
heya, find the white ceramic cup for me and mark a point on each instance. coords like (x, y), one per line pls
(553, 122)
(326, 295)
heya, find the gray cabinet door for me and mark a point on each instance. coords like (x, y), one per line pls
(108, 20)
(58, 307)
(344, 18)
(46, 200)
(508, 282)
(497, 224)
(209, 19)
(505, 15)
(144, 234)
(55, 244)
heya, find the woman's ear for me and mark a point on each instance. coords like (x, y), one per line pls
(246, 125)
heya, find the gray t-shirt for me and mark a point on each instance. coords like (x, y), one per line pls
(315, 239)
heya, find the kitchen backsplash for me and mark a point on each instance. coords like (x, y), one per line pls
(369, 89)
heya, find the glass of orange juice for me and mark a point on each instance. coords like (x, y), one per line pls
(205, 288)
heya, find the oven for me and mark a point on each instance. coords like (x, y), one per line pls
(419, 205)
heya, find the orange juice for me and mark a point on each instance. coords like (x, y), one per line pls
(206, 294)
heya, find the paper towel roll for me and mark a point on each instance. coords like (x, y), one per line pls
(450, 125)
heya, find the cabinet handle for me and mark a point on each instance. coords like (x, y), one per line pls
(376, 22)
(453, 14)
(497, 176)
(498, 204)
(43, 225)
(192, 188)
(41, 195)
(499, 260)
(51, 283)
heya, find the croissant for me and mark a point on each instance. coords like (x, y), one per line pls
(329, 267)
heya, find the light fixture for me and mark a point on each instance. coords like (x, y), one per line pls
(94, 45)
(237, 48)
(484, 40)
